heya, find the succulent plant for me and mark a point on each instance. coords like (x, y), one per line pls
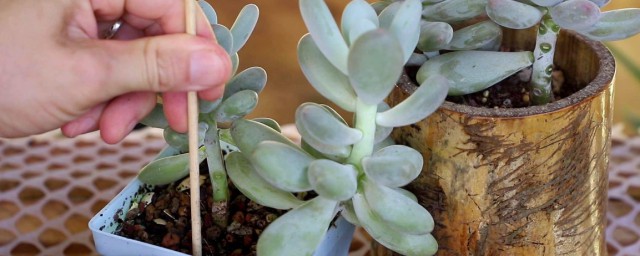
(240, 98)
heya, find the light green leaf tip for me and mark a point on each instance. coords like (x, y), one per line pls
(469, 71)
(282, 165)
(299, 231)
(245, 178)
(243, 26)
(237, 106)
(209, 12)
(223, 37)
(615, 25)
(169, 169)
(333, 180)
(317, 124)
(248, 134)
(406, 26)
(375, 64)
(325, 32)
(393, 166)
(475, 36)
(513, 14)
(454, 10)
(403, 243)
(357, 12)
(253, 78)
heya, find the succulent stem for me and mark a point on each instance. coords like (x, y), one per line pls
(365, 122)
(217, 174)
(543, 64)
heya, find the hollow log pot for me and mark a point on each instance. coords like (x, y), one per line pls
(527, 181)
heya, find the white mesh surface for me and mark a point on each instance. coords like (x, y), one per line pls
(51, 186)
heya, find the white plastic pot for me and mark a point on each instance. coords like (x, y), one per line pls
(104, 224)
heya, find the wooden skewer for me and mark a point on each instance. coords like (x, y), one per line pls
(194, 167)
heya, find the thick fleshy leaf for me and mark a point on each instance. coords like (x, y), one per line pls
(169, 169)
(317, 124)
(235, 61)
(407, 193)
(424, 101)
(393, 166)
(243, 26)
(402, 243)
(575, 14)
(382, 132)
(299, 231)
(156, 118)
(379, 6)
(205, 106)
(468, 71)
(406, 26)
(383, 144)
(253, 78)
(209, 12)
(325, 32)
(355, 14)
(375, 64)
(237, 106)
(513, 14)
(349, 213)
(546, 3)
(359, 28)
(397, 210)
(247, 180)
(329, 152)
(273, 124)
(247, 134)
(600, 3)
(332, 180)
(615, 25)
(282, 165)
(454, 10)
(434, 36)
(386, 16)
(475, 36)
(223, 37)
(180, 141)
(323, 76)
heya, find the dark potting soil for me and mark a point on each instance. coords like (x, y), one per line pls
(166, 221)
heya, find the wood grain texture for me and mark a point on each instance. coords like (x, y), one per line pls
(529, 181)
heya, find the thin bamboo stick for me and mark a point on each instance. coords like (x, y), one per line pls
(194, 168)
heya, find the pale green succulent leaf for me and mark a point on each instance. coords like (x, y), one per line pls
(209, 12)
(169, 169)
(384, 143)
(575, 14)
(407, 193)
(205, 106)
(325, 32)
(326, 151)
(469, 71)
(273, 124)
(223, 37)
(382, 132)
(243, 26)
(615, 25)
(333, 180)
(424, 101)
(355, 14)
(235, 61)
(601, 3)
(403, 243)
(315, 123)
(359, 28)
(379, 6)
(393, 166)
(348, 213)
(375, 64)
(434, 36)
(237, 106)
(323, 76)
(454, 10)
(299, 231)
(475, 36)
(398, 211)
(385, 17)
(513, 14)
(247, 134)
(253, 78)
(156, 118)
(180, 141)
(546, 3)
(405, 26)
(282, 165)
(245, 178)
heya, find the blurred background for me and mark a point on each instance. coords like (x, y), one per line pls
(273, 47)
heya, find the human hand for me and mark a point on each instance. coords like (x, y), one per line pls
(55, 71)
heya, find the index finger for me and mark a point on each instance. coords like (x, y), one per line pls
(169, 15)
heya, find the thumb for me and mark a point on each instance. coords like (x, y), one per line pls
(165, 63)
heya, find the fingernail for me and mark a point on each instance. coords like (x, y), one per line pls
(205, 69)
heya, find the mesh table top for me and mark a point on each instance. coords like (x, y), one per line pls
(51, 186)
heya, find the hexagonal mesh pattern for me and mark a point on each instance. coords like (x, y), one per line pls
(51, 186)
